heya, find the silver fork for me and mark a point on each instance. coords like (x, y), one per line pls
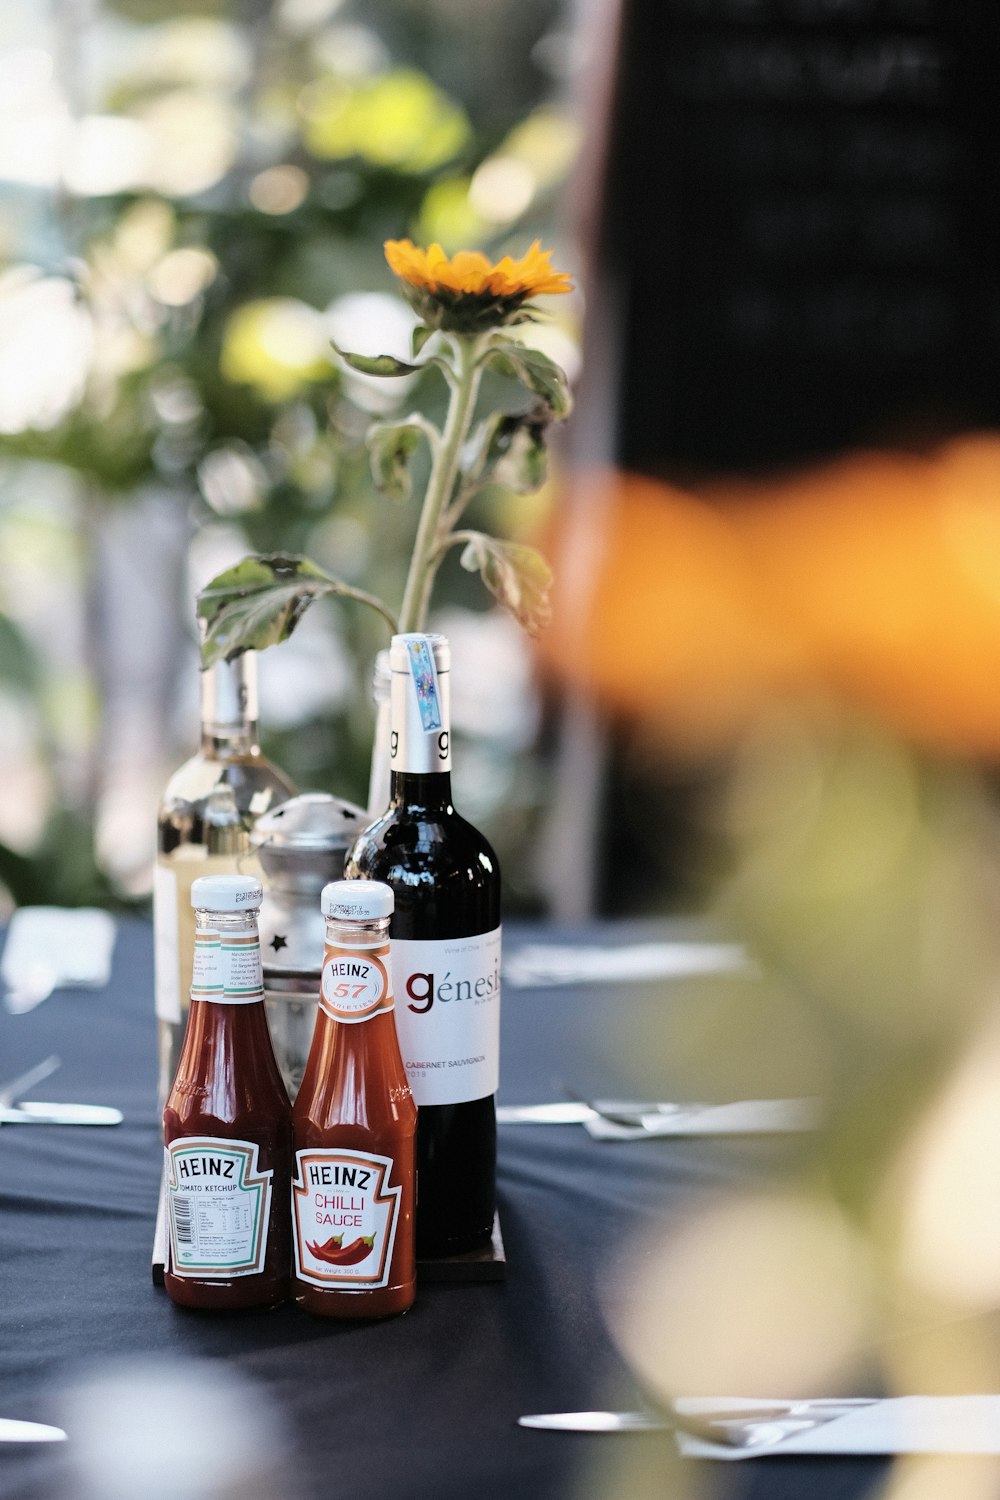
(632, 1115)
(732, 1432)
(747, 1427)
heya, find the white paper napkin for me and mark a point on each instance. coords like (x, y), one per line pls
(49, 947)
(901, 1424)
(540, 965)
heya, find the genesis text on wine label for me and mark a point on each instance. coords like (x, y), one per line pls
(448, 1015)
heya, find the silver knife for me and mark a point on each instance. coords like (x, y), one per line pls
(13, 1431)
(594, 1421)
(40, 1113)
(565, 1112)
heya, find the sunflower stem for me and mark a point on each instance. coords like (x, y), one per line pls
(453, 539)
(430, 543)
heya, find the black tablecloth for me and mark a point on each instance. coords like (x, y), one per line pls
(448, 1380)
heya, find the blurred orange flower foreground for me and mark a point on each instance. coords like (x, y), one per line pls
(873, 580)
(467, 291)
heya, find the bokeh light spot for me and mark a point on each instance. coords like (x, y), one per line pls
(277, 344)
(183, 275)
(767, 1293)
(279, 190)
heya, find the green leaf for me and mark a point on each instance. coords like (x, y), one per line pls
(515, 451)
(376, 364)
(260, 601)
(420, 336)
(518, 576)
(535, 370)
(391, 445)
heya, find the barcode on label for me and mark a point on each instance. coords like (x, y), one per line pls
(182, 1220)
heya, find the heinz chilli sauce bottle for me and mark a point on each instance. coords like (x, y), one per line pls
(227, 1122)
(445, 954)
(355, 1125)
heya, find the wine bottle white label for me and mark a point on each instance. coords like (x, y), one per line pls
(448, 1015)
(344, 1215)
(227, 968)
(356, 983)
(218, 1206)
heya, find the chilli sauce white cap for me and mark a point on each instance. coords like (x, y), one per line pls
(357, 900)
(226, 893)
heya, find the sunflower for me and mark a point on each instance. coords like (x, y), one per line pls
(468, 293)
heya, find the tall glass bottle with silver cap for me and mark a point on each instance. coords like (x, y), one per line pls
(445, 954)
(203, 827)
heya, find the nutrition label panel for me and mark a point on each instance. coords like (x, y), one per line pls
(219, 1204)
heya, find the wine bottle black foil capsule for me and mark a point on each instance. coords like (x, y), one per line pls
(446, 882)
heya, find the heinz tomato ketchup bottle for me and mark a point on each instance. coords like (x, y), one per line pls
(227, 1121)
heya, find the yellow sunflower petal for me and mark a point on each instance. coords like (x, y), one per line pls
(468, 272)
(406, 260)
(503, 279)
(534, 272)
(435, 260)
(558, 282)
(467, 288)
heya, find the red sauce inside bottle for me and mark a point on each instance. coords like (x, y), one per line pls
(227, 1130)
(354, 1121)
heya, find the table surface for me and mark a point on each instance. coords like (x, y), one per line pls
(448, 1380)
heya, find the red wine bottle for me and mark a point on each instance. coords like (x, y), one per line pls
(445, 936)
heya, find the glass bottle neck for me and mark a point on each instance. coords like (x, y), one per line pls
(232, 923)
(415, 789)
(420, 741)
(226, 969)
(229, 707)
(357, 933)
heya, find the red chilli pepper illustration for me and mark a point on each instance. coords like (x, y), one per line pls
(333, 1244)
(334, 1253)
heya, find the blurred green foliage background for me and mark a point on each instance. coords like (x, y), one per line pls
(194, 199)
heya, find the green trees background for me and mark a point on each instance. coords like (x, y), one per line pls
(194, 202)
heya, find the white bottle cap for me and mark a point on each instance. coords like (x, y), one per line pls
(357, 900)
(226, 893)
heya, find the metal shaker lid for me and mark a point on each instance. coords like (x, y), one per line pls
(301, 846)
(315, 820)
(303, 843)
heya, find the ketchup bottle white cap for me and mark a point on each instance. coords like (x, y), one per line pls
(357, 900)
(226, 893)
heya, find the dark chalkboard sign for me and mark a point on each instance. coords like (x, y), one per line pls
(800, 227)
